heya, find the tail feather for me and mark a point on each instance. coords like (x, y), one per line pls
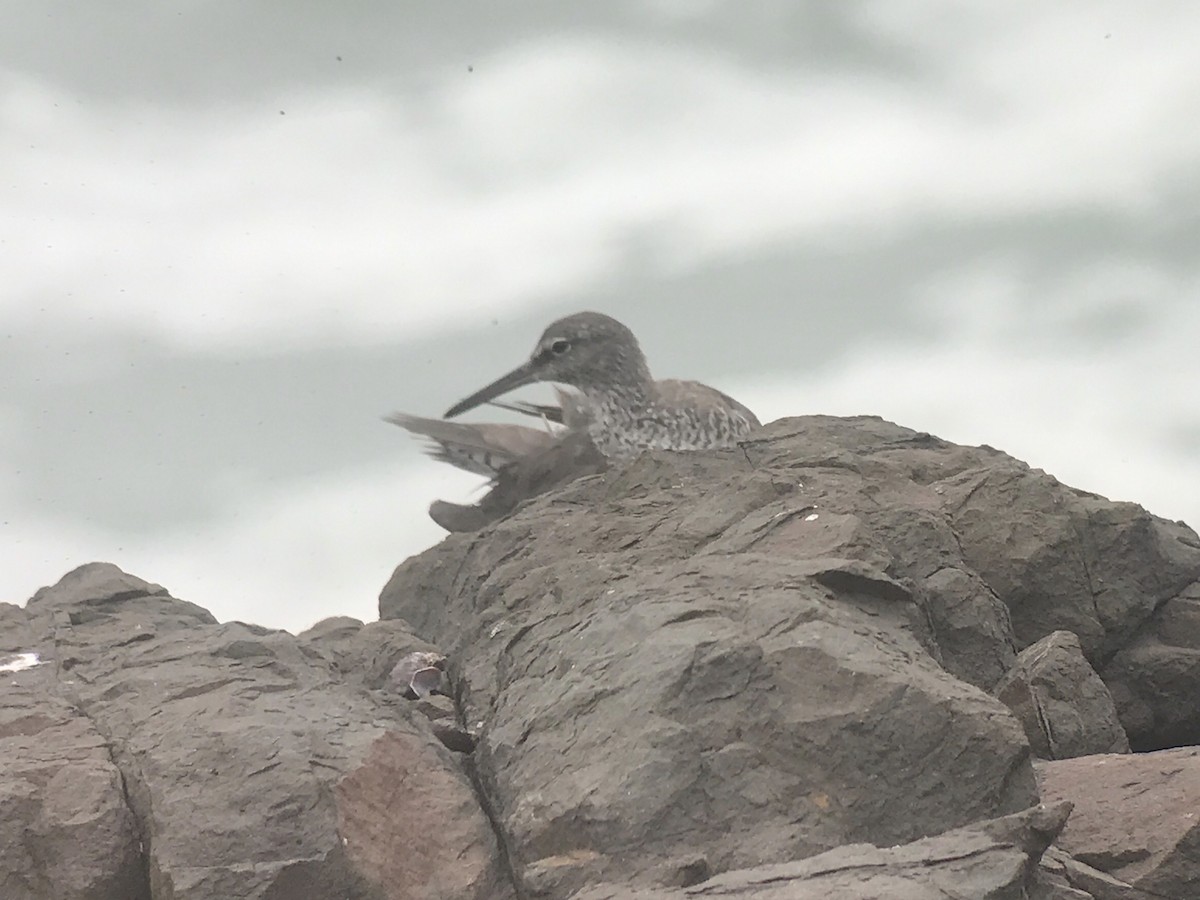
(483, 449)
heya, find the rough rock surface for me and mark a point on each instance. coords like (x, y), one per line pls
(680, 672)
(1062, 704)
(252, 766)
(992, 860)
(1137, 817)
(765, 637)
(65, 828)
(1154, 679)
(757, 636)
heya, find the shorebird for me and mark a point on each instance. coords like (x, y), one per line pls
(615, 411)
(621, 406)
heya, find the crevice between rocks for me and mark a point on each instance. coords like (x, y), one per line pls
(141, 833)
(470, 765)
(143, 839)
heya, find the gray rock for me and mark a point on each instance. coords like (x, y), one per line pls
(1136, 817)
(729, 625)
(252, 766)
(65, 829)
(1111, 573)
(1154, 680)
(1062, 704)
(695, 667)
(994, 860)
(1062, 877)
(682, 670)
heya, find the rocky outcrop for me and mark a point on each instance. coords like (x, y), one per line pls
(1064, 707)
(210, 760)
(777, 646)
(763, 672)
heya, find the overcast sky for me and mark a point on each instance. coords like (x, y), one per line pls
(234, 235)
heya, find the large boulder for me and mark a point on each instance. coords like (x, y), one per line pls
(701, 662)
(695, 664)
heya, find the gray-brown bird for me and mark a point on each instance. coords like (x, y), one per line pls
(622, 407)
(615, 411)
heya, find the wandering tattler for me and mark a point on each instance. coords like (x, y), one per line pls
(623, 409)
(616, 411)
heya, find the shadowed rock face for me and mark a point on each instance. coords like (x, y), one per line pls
(733, 670)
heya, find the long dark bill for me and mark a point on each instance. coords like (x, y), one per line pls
(518, 377)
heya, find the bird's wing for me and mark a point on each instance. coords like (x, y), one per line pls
(569, 456)
(686, 393)
(480, 448)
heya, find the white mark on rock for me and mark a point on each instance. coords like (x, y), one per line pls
(19, 662)
(811, 518)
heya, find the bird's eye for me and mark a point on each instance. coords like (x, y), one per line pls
(560, 346)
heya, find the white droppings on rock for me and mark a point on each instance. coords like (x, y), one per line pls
(811, 518)
(19, 662)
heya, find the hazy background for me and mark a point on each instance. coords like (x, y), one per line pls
(233, 235)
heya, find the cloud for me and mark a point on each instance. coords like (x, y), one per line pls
(351, 213)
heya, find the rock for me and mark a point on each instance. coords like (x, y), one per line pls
(65, 829)
(974, 637)
(691, 664)
(1154, 679)
(1136, 819)
(1062, 877)
(722, 674)
(700, 662)
(365, 655)
(992, 860)
(1064, 559)
(996, 554)
(1062, 704)
(252, 765)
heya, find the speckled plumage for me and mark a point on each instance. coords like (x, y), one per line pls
(623, 408)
